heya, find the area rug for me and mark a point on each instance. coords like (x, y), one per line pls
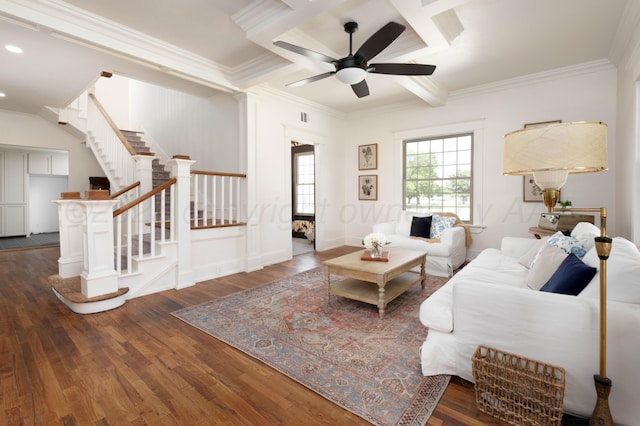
(339, 348)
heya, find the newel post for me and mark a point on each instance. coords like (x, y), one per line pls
(98, 276)
(181, 170)
(144, 171)
(70, 223)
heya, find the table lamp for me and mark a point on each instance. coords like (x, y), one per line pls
(550, 153)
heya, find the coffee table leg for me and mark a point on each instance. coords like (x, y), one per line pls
(381, 298)
(327, 275)
(423, 271)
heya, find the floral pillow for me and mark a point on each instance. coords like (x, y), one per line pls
(440, 223)
(577, 245)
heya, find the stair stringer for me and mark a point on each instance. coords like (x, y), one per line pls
(97, 147)
(153, 274)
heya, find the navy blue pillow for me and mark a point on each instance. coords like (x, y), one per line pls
(421, 227)
(571, 277)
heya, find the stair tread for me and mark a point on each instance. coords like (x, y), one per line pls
(71, 289)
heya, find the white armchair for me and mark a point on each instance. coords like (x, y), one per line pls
(444, 255)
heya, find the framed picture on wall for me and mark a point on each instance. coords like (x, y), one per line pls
(532, 193)
(368, 187)
(368, 157)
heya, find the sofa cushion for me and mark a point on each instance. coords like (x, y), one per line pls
(440, 223)
(579, 245)
(527, 259)
(386, 228)
(623, 274)
(544, 265)
(421, 227)
(571, 277)
(432, 249)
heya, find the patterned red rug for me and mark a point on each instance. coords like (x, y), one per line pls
(340, 350)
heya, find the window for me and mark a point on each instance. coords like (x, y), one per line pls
(437, 175)
(304, 183)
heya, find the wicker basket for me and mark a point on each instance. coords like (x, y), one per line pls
(518, 390)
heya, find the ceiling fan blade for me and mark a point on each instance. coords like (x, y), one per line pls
(361, 89)
(311, 79)
(380, 40)
(305, 52)
(402, 69)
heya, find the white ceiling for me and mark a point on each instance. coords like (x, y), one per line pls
(204, 46)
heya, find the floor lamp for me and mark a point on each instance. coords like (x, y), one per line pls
(550, 153)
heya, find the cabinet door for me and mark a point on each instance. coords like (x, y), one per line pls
(14, 177)
(15, 222)
(40, 163)
(60, 164)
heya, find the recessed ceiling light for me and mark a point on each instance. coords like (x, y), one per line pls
(13, 49)
(2, 95)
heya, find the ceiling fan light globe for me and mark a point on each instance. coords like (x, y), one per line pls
(351, 75)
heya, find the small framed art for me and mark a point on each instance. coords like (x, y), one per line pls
(368, 187)
(368, 157)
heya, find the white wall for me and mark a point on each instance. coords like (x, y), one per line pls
(586, 95)
(113, 94)
(278, 124)
(32, 131)
(206, 129)
(627, 212)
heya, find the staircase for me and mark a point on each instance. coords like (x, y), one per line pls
(151, 245)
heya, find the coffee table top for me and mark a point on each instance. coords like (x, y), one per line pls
(397, 257)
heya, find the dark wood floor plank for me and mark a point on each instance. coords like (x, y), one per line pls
(140, 365)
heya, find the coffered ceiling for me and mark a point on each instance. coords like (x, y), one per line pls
(207, 46)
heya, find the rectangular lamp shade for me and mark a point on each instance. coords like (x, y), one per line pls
(579, 147)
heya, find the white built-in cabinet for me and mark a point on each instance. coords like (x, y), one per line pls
(47, 163)
(13, 193)
(15, 167)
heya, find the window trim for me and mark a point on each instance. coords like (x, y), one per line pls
(474, 126)
(297, 151)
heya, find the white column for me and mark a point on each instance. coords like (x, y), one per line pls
(181, 170)
(249, 151)
(70, 222)
(98, 275)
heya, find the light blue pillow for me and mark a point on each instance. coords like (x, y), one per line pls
(440, 223)
(576, 245)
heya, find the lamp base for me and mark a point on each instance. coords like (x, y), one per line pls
(601, 413)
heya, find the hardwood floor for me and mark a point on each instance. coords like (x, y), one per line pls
(140, 365)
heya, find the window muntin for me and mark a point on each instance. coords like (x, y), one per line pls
(437, 175)
(304, 183)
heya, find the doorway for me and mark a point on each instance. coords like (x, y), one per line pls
(303, 226)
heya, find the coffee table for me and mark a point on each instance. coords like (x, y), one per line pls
(375, 282)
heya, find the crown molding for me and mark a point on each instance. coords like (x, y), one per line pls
(527, 80)
(274, 93)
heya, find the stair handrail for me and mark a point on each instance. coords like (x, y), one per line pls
(125, 190)
(113, 126)
(202, 172)
(144, 197)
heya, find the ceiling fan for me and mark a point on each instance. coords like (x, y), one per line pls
(353, 68)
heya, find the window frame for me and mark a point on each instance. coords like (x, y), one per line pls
(302, 150)
(477, 127)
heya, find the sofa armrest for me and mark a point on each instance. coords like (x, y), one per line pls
(557, 329)
(517, 246)
(454, 237)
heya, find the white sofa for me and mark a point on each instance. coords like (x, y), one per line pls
(443, 257)
(487, 302)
